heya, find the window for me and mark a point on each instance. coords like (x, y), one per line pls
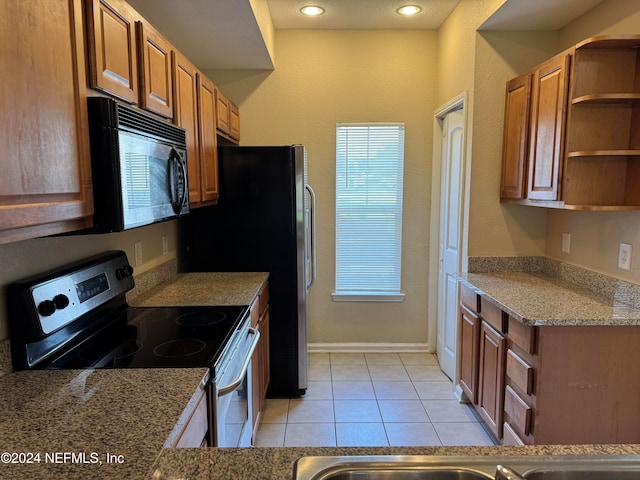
(369, 171)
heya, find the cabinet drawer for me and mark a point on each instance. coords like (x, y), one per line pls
(518, 410)
(469, 298)
(491, 314)
(522, 335)
(520, 372)
(510, 437)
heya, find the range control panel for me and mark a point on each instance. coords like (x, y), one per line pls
(60, 297)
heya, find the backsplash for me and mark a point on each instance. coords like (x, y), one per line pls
(6, 366)
(600, 284)
(149, 279)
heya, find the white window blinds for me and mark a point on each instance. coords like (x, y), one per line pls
(369, 179)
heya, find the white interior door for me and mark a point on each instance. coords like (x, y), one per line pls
(451, 204)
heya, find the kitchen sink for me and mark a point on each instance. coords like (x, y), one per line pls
(426, 467)
(586, 473)
(400, 473)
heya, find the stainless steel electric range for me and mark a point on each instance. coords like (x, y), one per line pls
(77, 317)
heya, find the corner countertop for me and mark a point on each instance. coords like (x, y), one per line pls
(277, 463)
(203, 289)
(66, 423)
(537, 299)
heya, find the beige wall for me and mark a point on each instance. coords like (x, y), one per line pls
(325, 77)
(595, 236)
(481, 63)
(22, 259)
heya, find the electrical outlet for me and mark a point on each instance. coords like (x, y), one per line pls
(138, 253)
(624, 256)
(566, 242)
(165, 245)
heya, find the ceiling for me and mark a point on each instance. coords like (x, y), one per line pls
(225, 34)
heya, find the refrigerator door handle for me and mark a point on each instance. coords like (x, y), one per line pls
(312, 233)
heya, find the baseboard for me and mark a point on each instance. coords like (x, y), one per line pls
(369, 347)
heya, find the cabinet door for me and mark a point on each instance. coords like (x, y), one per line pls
(186, 116)
(234, 122)
(468, 338)
(208, 139)
(112, 51)
(491, 378)
(156, 93)
(46, 171)
(222, 112)
(516, 134)
(548, 119)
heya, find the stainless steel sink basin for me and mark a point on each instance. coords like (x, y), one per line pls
(423, 467)
(586, 473)
(430, 473)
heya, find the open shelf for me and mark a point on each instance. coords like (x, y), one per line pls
(607, 98)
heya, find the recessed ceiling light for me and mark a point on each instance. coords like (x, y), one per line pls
(312, 10)
(409, 10)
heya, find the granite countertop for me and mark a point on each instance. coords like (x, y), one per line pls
(203, 289)
(277, 463)
(128, 414)
(537, 299)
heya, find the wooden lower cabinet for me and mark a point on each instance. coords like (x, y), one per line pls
(584, 387)
(468, 348)
(482, 348)
(194, 432)
(260, 362)
(491, 377)
(552, 384)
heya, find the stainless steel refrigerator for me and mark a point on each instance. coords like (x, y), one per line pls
(264, 222)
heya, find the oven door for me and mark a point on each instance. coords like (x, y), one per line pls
(231, 418)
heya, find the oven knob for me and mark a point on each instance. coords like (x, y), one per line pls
(124, 272)
(61, 301)
(46, 308)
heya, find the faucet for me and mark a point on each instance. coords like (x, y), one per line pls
(505, 473)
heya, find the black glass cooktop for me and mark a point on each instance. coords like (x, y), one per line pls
(156, 337)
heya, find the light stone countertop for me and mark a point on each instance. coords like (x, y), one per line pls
(537, 299)
(277, 463)
(203, 289)
(91, 413)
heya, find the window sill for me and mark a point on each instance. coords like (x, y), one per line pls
(368, 297)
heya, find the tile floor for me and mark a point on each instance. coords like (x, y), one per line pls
(372, 399)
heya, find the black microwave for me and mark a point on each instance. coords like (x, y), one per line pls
(139, 167)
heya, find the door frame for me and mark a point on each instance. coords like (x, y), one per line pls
(461, 101)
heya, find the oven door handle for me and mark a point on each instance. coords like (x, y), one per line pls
(222, 391)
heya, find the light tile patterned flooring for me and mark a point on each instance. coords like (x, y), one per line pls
(372, 399)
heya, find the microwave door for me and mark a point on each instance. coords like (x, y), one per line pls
(147, 169)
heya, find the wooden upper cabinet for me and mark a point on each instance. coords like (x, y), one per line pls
(46, 171)
(515, 150)
(186, 116)
(222, 112)
(208, 139)
(154, 52)
(581, 132)
(234, 122)
(548, 118)
(227, 117)
(112, 50)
